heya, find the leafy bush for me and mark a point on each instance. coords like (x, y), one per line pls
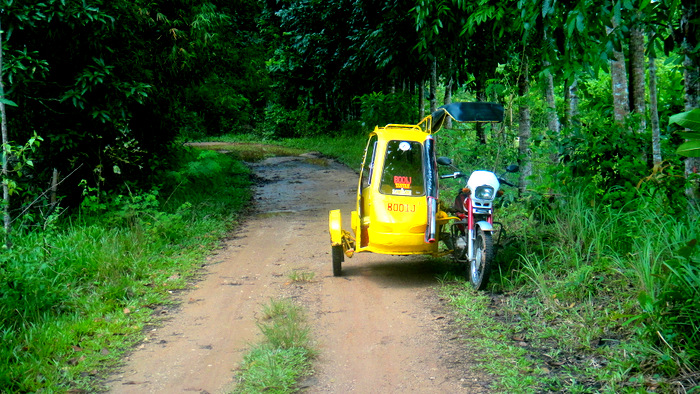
(613, 162)
(304, 121)
(379, 109)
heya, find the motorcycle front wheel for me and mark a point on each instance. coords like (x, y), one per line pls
(480, 267)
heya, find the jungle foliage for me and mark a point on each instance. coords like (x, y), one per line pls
(77, 295)
(110, 85)
(103, 94)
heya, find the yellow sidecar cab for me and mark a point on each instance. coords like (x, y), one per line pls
(394, 198)
(391, 215)
(397, 193)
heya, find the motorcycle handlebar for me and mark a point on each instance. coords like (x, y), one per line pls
(461, 175)
(454, 175)
(503, 181)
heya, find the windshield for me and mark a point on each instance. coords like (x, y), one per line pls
(403, 169)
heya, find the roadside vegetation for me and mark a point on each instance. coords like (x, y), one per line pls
(598, 281)
(589, 299)
(78, 294)
(286, 353)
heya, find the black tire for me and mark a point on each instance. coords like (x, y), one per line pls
(338, 257)
(480, 268)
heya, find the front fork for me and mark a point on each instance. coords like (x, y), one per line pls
(484, 225)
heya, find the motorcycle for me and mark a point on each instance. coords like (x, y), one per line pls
(470, 235)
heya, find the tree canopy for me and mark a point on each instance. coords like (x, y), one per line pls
(108, 86)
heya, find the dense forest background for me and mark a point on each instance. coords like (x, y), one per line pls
(99, 91)
(98, 98)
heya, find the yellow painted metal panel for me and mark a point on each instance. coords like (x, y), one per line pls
(335, 227)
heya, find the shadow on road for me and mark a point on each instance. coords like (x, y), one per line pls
(398, 271)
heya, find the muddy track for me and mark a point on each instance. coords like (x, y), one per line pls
(380, 328)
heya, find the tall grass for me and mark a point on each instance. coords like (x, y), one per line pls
(621, 284)
(285, 354)
(75, 297)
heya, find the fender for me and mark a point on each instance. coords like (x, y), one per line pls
(335, 228)
(484, 225)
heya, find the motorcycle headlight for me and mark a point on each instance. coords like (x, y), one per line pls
(484, 193)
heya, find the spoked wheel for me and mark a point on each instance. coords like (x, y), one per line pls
(338, 257)
(483, 258)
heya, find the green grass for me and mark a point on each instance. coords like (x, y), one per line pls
(298, 276)
(284, 356)
(590, 299)
(75, 298)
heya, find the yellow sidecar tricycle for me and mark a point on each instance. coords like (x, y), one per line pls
(397, 194)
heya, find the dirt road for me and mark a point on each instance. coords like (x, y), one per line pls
(380, 328)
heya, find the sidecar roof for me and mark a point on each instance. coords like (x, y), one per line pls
(400, 132)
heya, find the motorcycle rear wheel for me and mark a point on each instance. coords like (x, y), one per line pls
(480, 267)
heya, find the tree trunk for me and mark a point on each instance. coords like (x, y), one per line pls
(571, 98)
(618, 75)
(654, 113)
(691, 77)
(5, 158)
(448, 100)
(524, 128)
(552, 117)
(421, 99)
(480, 96)
(637, 99)
(433, 87)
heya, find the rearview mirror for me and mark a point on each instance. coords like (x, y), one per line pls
(444, 161)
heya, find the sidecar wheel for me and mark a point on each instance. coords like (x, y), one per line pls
(338, 257)
(480, 268)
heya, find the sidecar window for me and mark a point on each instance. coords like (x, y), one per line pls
(403, 169)
(368, 165)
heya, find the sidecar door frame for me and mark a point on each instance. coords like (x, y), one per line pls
(391, 214)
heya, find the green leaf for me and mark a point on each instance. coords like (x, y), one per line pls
(689, 149)
(579, 23)
(687, 250)
(570, 25)
(689, 120)
(8, 102)
(689, 135)
(547, 8)
(645, 301)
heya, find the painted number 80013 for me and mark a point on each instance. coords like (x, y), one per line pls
(394, 207)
